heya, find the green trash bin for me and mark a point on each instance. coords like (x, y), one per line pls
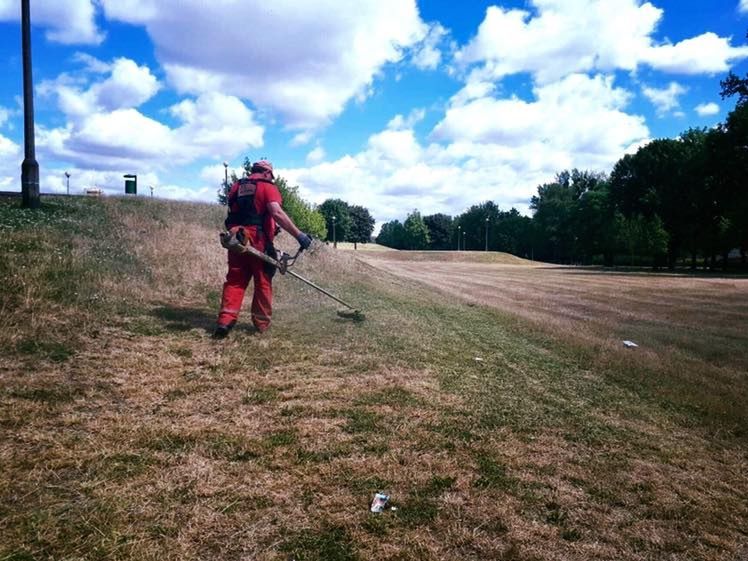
(131, 184)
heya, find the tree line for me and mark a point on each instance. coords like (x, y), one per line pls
(674, 200)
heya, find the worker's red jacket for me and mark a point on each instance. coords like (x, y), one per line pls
(248, 201)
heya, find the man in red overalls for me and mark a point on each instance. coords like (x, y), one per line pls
(254, 206)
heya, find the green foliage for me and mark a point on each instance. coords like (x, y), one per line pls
(362, 225)
(561, 209)
(642, 236)
(301, 212)
(392, 235)
(441, 227)
(416, 233)
(223, 191)
(735, 85)
(337, 219)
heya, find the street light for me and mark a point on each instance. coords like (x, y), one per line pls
(67, 178)
(459, 231)
(334, 238)
(29, 167)
(225, 174)
(486, 233)
(463, 240)
(151, 187)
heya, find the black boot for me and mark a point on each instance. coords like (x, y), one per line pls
(222, 330)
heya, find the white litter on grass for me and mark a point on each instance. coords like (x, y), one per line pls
(630, 344)
(478, 359)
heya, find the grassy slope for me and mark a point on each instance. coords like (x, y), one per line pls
(128, 433)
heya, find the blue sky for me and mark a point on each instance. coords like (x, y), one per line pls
(391, 104)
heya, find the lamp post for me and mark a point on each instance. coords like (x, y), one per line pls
(463, 240)
(151, 188)
(486, 233)
(29, 167)
(225, 174)
(334, 238)
(67, 179)
(459, 231)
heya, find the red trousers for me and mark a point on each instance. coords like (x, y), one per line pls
(242, 269)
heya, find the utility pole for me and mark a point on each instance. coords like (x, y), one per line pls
(459, 231)
(486, 233)
(29, 167)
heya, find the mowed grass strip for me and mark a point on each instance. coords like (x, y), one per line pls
(271, 447)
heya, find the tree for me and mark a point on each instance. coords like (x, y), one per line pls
(301, 212)
(553, 209)
(362, 225)
(472, 223)
(511, 233)
(223, 190)
(416, 233)
(338, 209)
(735, 85)
(392, 235)
(655, 182)
(440, 227)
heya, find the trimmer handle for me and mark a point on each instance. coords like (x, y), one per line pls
(285, 260)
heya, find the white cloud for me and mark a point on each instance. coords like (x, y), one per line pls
(105, 130)
(400, 122)
(4, 116)
(302, 138)
(484, 148)
(68, 22)
(743, 7)
(214, 174)
(569, 36)
(128, 86)
(427, 54)
(304, 60)
(579, 114)
(10, 165)
(316, 155)
(91, 63)
(8, 148)
(707, 109)
(665, 100)
(705, 54)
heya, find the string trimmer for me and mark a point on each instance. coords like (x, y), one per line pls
(283, 264)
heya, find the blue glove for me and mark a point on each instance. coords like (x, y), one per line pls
(305, 240)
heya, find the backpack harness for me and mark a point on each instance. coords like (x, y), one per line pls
(246, 214)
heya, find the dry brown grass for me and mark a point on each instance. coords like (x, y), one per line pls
(472, 257)
(349, 246)
(141, 438)
(701, 317)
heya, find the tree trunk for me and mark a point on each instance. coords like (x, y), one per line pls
(743, 256)
(713, 262)
(355, 245)
(693, 261)
(725, 259)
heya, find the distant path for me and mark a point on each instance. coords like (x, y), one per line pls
(697, 315)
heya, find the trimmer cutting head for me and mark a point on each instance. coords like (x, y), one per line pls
(355, 315)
